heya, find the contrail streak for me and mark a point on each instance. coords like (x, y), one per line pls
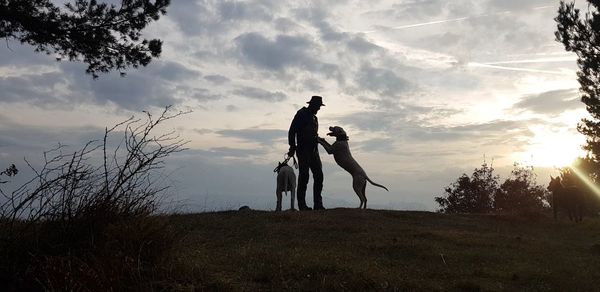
(453, 19)
(431, 22)
(539, 60)
(480, 65)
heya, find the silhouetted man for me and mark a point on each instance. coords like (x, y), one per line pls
(302, 138)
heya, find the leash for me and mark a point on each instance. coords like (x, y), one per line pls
(286, 158)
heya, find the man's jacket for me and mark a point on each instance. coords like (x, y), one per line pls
(303, 131)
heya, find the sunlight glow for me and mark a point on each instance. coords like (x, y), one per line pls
(593, 186)
(553, 149)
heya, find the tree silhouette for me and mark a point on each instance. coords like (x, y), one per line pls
(520, 192)
(472, 194)
(581, 34)
(105, 36)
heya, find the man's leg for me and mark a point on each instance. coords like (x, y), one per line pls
(303, 167)
(317, 170)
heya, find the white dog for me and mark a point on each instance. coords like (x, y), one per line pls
(286, 181)
(342, 156)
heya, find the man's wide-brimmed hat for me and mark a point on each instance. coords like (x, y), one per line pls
(316, 99)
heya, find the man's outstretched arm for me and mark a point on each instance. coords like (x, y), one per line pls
(292, 136)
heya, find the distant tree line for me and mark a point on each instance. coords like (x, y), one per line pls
(482, 192)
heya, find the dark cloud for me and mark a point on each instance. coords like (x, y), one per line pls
(550, 102)
(203, 131)
(216, 18)
(281, 53)
(274, 54)
(360, 45)
(137, 91)
(172, 71)
(232, 108)
(285, 25)
(217, 79)
(260, 94)
(37, 89)
(201, 94)
(152, 86)
(238, 10)
(329, 33)
(194, 17)
(381, 81)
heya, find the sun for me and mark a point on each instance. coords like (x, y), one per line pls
(551, 148)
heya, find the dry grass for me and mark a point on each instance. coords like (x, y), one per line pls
(354, 250)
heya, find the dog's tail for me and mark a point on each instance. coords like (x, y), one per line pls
(376, 184)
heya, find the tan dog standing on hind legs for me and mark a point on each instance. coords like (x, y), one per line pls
(286, 181)
(342, 156)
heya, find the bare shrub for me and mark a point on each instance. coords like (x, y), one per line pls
(92, 209)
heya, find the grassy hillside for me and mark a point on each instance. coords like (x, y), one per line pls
(348, 249)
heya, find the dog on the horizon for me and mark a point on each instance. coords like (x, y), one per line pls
(286, 181)
(342, 156)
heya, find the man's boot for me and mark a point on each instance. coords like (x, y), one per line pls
(302, 200)
(319, 205)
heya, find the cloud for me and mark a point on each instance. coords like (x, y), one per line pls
(281, 53)
(68, 86)
(275, 54)
(13, 53)
(172, 71)
(519, 6)
(261, 136)
(156, 85)
(35, 88)
(202, 95)
(217, 18)
(381, 145)
(260, 94)
(382, 81)
(218, 153)
(28, 141)
(238, 10)
(217, 79)
(493, 132)
(550, 102)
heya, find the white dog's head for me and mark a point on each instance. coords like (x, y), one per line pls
(338, 133)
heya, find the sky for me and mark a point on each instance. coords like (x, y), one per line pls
(426, 90)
